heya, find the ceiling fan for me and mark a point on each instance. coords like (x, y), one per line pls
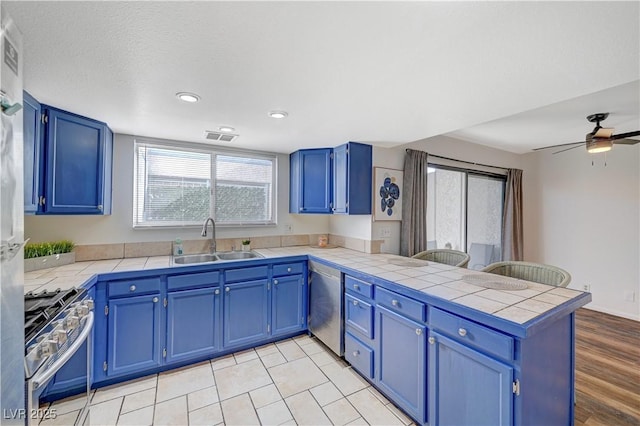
(601, 139)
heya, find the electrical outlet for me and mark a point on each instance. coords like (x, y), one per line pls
(586, 287)
(630, 296)
(385, 232)
(288, 228)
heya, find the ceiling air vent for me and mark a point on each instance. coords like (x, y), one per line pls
(219, 136)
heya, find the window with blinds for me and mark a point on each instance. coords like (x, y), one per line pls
(179, 186)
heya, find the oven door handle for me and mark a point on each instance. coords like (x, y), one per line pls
(46, 375)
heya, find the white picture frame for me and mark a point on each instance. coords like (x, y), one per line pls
(387, 194)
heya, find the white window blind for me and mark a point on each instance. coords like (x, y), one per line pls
(173, 187)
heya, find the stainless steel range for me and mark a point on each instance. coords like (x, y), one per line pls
(56, 326)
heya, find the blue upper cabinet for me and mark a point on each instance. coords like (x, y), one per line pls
(67, 162)
(331, 180)
(32, 126)
(352, 180)
(78, 164)
(310, 177)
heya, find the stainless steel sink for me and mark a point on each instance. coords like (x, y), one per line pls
(195, 258)
(238, 255)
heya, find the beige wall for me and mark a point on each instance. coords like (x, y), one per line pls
(118, 227)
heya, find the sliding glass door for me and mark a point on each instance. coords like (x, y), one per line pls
(464, 212)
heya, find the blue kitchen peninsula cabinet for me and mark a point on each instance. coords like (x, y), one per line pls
(468, 387)
(331, 180)
(67, 162)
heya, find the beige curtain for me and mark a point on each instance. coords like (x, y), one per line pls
(512, 217)
(413, 236)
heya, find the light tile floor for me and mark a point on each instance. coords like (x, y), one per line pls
(294, 381)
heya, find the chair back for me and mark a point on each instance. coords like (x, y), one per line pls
(536, 272)
(446, 256)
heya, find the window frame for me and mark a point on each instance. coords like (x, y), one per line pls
(467, 172)
(213, 151)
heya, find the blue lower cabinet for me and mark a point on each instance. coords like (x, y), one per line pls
(466, 386)
(246, 312)
(134, 340)
(193, 320)
(401, 362)
(70, 379)
(287, 307)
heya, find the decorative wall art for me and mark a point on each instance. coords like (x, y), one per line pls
(387, 198)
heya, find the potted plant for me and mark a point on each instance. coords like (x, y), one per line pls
(48, 255)
(246, 245)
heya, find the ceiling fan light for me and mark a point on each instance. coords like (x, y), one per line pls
(597, 145)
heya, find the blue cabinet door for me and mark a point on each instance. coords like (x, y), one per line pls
(310, 181)
(78, 164)
(193, 322)
(32, 127)
(402, 361)
(352, 178)
(246, 313)
(341, 179)
(287, 305)
(467, 387)
(133, 341)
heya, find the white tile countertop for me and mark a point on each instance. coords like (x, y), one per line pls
(435, 279)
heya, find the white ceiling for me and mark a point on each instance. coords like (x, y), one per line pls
(386, 73)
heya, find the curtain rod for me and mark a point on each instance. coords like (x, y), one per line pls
(463, 161)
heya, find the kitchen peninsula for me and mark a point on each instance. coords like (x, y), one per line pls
(444, 350)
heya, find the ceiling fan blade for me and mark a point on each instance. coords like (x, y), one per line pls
(603, 132)
(568, 149)
(557, 146)
(625, 135)
(626, 141)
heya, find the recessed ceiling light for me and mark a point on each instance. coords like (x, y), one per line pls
(188, 97)
(226, 129)
(278, 114)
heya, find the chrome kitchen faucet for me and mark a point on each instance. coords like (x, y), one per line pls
(213, 234)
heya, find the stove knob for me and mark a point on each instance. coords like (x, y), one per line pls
(82, 311)
(72, 322)
(59, 335)
(88, 303)
(48, 347)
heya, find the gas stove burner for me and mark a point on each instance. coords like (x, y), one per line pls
(40, 308)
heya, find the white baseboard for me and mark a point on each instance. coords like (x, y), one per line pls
(610, 312)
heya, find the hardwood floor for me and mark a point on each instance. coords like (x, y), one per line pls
(607, 370)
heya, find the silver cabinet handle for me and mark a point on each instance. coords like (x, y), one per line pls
(275, 282)
(217, 291)
(100, 207)
(288, 269)
(356, 287)
(355, 303)
(132, 288)
(155, 300)
(432, 340)
(418, 331)
(394, 302)
(462, 332)
(356, 353)
(227, 289)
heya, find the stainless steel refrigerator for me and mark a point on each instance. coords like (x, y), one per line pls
(12, 378)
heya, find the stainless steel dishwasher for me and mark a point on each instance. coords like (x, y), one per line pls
(326, 306)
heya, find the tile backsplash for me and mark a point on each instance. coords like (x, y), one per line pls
(86, 252)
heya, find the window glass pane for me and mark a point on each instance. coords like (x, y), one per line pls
(484, 222)
(445, 209)
(172, 187)
(243, 189)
